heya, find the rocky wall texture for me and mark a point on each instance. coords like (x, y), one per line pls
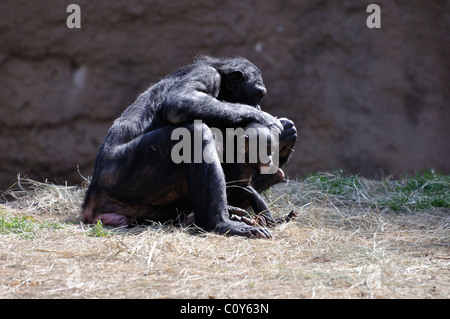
(363, 99)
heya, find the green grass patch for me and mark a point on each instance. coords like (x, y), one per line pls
(335, 183)
(25, 226)
(416, 192)
(420, 191)
(99, 230)
(28, 228)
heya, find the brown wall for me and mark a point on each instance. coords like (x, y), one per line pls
(363, 99)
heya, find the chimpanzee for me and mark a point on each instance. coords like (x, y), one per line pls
(243, 177)
(245, 181)
(135, 178)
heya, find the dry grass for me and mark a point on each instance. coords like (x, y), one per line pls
(341, 246)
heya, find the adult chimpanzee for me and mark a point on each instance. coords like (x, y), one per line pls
(135, 178)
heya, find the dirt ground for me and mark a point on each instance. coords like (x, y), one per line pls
(331, 251)
(398, 261)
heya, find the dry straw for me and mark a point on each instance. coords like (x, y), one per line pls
(342, 245)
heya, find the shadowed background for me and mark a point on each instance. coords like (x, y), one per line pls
(364, 100)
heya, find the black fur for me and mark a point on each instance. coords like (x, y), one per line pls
(134, 178)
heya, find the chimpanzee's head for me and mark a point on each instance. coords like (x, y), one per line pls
(241, 80)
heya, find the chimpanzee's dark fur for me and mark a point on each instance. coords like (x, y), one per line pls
(134, 176)
(245, 181)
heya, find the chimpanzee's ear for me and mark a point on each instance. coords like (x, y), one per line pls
(237, 76)
(233, 78)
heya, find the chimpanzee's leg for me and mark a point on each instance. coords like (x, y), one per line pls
(238, 194)
(130, 179)
(207, 189)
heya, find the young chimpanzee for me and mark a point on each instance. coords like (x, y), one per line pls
(135, 179)
(245, 181)
(256, 145)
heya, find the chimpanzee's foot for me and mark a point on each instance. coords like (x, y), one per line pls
(234, 212)
(238, 228)
(291, 216)
(267, 219)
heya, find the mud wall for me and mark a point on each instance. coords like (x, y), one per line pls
(363, 99)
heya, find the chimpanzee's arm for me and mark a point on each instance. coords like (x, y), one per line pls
(194, 98)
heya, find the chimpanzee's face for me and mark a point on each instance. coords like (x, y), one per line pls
(244, 86)
(251, 89)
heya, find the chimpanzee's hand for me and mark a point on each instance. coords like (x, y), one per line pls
(232, 210)
(287, 123)
(271, 122)
(288, 138)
